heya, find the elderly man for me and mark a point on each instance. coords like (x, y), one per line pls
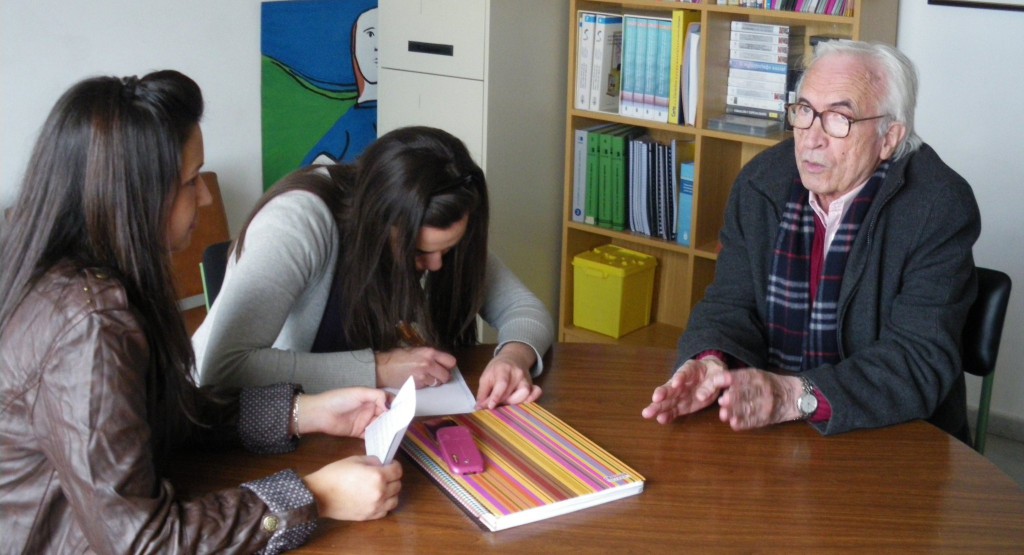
(846, 269)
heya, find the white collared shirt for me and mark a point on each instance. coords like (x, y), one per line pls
(836, 210)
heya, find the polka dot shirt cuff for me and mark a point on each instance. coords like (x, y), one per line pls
(292, 514)
(265, 414)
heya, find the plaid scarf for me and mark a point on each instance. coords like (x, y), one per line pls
(802, 334)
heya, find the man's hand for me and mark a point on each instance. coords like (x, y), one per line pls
(755, 398)
(694, 386)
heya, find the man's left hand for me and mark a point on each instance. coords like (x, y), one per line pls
(754, 398)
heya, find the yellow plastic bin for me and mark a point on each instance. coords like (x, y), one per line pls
(612, 290)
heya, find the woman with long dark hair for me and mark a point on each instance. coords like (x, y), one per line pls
(96, 366)
(338, 263)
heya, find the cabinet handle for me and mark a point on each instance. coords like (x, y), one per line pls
(431, 48)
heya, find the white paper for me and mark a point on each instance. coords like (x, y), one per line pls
(453, 397)
(385, 434)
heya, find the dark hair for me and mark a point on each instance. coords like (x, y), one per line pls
(409, 178)
(97, 193)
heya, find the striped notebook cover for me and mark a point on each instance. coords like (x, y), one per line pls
(535, 467)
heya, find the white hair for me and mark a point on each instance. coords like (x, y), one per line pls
(899, 84)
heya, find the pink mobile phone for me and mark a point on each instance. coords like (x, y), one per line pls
(460, 450)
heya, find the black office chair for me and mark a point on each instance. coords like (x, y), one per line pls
(982, 332)
(212, 268)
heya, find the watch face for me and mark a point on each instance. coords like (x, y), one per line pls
(808, 404)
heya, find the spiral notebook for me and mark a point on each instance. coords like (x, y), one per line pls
(535, 467)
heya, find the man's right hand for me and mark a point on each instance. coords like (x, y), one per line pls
(693, 387)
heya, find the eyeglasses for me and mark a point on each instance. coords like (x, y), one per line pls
(801, 116)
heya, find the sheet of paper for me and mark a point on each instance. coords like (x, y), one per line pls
(453, 397)
(385, 433)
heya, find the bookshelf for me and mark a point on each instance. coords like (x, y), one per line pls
(684, 272)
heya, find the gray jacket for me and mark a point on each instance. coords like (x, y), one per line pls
(905, 294)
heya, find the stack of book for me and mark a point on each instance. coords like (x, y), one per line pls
(598, 61)
(830, 7)
(599, 172)
(764, 59)
(626, 181)
(654, 186)
(646, 68)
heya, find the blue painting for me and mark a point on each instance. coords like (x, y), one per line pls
(319, 82)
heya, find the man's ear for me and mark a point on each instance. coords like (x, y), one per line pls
(892, 138)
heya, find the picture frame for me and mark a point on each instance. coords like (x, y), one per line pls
(1015, 5)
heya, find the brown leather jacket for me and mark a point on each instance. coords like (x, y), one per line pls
(77, 466)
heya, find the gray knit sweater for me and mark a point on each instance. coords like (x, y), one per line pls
(261, 328)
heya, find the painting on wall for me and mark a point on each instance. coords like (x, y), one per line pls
(989, 4)
(319, 82)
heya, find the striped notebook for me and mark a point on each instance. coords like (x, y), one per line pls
(535, 467)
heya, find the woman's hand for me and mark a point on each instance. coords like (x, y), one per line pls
(506, 380)
(694, 386)
(356, 488)
(340, 412)
(429, 367)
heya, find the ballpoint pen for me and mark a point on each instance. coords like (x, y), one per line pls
(410, 335)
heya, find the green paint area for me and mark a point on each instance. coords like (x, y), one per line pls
(296, 115)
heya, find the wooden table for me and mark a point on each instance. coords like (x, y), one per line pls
(784, 488)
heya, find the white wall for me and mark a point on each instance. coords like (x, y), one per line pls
(970, 111)
(971, 68)
(48, 45)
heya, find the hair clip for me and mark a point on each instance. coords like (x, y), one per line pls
(129, 86)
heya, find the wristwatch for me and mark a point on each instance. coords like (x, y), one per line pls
(807, 403)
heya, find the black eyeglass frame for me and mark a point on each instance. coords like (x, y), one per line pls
(790, 116)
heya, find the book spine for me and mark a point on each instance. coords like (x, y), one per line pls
(781, 69)
(756, 85)
(686, 171)
(618, 181)
(761, 76)
(627, 91)
(755, 94)
(584, 58)
(579, 176)
(754, 112)
(604, 181)
(676, 64)
(593, 163)
(768, 57)
(604, 92)
(763, 104)
(650, 69)
(693, 70)
(663, 70)
(632, 176)
(750, 27)
(761, 38)
(759, 47)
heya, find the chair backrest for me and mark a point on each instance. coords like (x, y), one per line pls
(984, 327)
(211, 227)
(215, 264)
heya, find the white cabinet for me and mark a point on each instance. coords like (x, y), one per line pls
(491, 72)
